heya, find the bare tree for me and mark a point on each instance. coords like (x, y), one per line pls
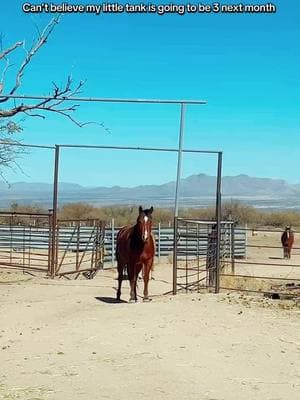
(56, 102)
(10, 150)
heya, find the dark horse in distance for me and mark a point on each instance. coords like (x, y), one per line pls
(135, 251)
(287, 241)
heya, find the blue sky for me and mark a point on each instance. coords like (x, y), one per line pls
(245, 66)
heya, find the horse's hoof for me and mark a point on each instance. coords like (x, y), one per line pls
(146, 299)
(132, 301)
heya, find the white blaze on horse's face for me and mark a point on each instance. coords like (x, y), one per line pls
(145, 234)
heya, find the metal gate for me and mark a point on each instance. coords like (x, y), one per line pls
(25, 241)
(34, 243)
(79, 247)
(265, 270)
(195, 253)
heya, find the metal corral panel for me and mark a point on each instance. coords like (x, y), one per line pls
(164, 242)
(25, 237)
(21, 237)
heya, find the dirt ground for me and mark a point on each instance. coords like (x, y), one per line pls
(68, 339)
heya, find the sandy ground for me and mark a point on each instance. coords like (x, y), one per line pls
(68, 340)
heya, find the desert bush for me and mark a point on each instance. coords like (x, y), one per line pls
(77, 211)
(124, 215)
(17, 208)
(282, 218)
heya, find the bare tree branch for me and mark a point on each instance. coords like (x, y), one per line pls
(50, 104)
(55, 102)
(9, 149)
(42, 39)
(7, 65)
(56, 99)
(10, 49)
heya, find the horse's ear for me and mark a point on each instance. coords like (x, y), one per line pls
(140, 209)
(151, 210)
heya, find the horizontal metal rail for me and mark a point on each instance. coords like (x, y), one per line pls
(38, 146)
(134, 148)
(104, 99)
(267, 230)
(25, 267)
(261, 277)
(204, 222)
(137, 148)
(268, 247)
(267, 264)
(16, 214)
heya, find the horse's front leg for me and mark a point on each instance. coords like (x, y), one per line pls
(131, 281)
(152, 272)
(132, 278)
(120, 279)
(284, 252)
(147, 268)
(132, 291)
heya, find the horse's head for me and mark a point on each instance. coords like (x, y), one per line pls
(144, 222)
(288, 230)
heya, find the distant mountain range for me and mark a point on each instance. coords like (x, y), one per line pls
(196, 190)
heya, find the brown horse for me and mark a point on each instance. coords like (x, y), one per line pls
(287, 241)
(135, 251)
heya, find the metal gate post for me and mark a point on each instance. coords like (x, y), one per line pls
(175, 256)
(54, 250)
(159, 234)
(112, 242)
(218, 221)
(232, 235)
(50, 243)
(179, 162)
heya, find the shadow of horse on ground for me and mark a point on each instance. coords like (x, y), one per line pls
(110, 300)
